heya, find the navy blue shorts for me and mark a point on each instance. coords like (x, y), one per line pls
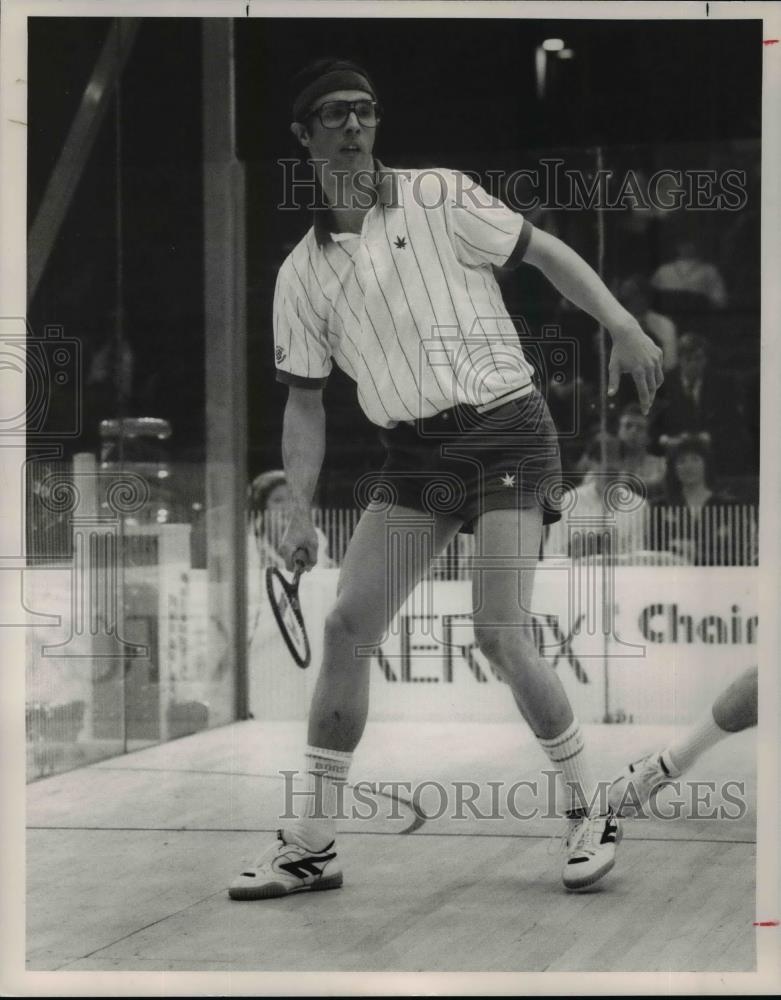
(463, 463)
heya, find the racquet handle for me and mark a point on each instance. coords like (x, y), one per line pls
(299, 562)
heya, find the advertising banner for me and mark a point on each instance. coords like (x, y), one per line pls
(630, 644)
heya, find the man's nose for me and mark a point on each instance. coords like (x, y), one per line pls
(352, 121)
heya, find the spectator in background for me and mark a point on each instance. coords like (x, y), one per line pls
(574, 406)
(634, 293)
(697, 399)
(605, 499)
(690, 518)
(688, 284)
(635, 234)
(633, 440)
(267, 509)
(267, 506)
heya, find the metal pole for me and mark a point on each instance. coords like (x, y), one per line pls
(608, 564)
(225, 338)
(116, 368)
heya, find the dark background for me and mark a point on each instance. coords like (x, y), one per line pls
(456, 93)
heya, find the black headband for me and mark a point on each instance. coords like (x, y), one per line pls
(335, 79)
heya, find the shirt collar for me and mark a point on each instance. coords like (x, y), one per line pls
(386, 186)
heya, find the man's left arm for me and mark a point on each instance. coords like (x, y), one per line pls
(633, 351)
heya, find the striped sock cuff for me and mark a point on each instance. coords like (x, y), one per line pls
(564, 746)
(567, 752)
(333, 764)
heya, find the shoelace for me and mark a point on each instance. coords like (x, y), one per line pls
(264, 858)
(559, 843)
(587, 841)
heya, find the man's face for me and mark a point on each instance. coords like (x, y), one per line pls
(687, 250)
(278, 499)
(692, 365)
(690, 468)
(348, 147)
(633, 431)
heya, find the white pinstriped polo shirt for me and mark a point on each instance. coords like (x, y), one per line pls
(410, 308)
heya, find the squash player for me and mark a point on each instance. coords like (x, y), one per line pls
(394, 282)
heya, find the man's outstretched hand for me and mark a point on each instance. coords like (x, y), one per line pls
(635, 354)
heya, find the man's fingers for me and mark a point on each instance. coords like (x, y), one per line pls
(301, 550)
(614, 376)
(643, 392)
(305, 554)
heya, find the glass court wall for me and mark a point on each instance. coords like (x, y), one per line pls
(133, 195)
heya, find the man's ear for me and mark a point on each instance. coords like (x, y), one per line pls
(300, 132)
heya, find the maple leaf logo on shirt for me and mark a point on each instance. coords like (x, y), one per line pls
(400, 242)
(280, 355)
(508, 480)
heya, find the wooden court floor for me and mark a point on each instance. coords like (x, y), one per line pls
(128, 862)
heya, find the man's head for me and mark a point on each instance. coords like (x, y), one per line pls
(689, 461)
(634, 293)
(335, 113)
(633, 428)
(686, 248)
(692, 356)
(611, 455)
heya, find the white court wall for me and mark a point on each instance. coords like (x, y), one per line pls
(676, 637)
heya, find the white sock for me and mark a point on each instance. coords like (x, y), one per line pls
(681, 754)
(325, 775)
(567, 752)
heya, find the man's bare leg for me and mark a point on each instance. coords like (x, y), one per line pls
(507, 546)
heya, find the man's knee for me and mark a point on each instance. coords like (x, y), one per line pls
(351, 623)
(506, 646)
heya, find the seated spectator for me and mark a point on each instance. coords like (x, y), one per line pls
(635, 457)
(689, 280)
(634, 294)
(690, 518)
(604, 501)
(574, 406)
(696, 398)
(267, 513)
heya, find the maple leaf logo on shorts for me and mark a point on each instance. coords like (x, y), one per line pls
(280, 355)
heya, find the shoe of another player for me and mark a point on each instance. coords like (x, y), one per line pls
(590, 849)
(637, 784)
(286, 868)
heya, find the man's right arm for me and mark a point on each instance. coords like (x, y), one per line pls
(303, 449)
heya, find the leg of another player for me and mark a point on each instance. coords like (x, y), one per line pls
(734, 710)
(506, 547)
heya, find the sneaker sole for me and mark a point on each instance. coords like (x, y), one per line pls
(273, 890)
(584, 883)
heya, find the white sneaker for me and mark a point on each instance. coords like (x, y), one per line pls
(590, 847)
(638, 784)
(286, 868)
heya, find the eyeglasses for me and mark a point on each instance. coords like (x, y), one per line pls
(333, 114)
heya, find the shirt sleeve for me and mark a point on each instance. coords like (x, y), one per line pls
(484, 230)
(301, 350)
